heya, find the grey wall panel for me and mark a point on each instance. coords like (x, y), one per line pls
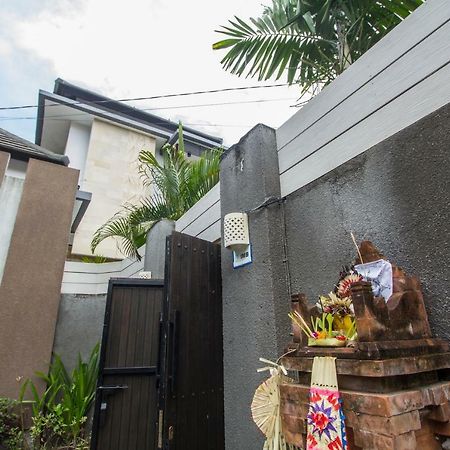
(79, 326)
(397, 194)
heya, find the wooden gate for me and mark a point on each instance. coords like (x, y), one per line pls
(192, 392)
(161, 380)
(125, 413)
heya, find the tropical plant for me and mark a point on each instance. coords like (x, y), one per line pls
(11, 435)
(312, 40)
(94, 259)
(59, 413)
(177, 184)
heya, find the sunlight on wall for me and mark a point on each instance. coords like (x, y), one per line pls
(10, 195)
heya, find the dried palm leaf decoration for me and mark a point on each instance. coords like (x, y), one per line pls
(266, 407)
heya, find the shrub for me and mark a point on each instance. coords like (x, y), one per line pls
(59, 414)
(11, 436)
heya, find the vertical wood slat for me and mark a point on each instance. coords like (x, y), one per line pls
(130, 341)
(195, 409)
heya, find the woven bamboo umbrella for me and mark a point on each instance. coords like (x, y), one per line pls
(266, 407)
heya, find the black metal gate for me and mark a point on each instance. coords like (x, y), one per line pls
(161, 380)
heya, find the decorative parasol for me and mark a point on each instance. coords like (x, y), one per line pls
(266, 407)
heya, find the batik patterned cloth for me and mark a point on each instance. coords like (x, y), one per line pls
(326, 426)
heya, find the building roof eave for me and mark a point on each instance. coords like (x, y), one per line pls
(82, 95)
(22, 149)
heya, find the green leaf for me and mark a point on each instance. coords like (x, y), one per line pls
(306, 37)
(309, 21)
(176, 185)
(224, 44)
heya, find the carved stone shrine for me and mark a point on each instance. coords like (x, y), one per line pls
(394, 379)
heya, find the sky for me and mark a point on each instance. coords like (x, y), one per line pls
(133, 48)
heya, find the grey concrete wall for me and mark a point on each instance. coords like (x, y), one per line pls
(255, 299)
(79, 326)
(397, 195)
(155, 249)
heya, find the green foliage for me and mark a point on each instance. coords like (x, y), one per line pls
(11, 435)
(323, 324)
(313, 41)
(94, 259)
(60, 412)
(177, 184)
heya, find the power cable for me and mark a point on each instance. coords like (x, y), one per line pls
(182, 94)
(61, 116)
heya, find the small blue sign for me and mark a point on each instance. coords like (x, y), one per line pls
(242, 258)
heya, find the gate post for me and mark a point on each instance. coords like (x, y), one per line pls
(155, 248)
(255, 297)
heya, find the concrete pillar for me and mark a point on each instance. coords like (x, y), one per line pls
(155, 249)
(255, 297)
(30, 290)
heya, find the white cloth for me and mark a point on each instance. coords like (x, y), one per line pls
(379, 273)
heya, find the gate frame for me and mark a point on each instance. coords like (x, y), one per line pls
(117, 282)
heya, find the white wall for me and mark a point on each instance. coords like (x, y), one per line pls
(77, 147)
(203, 219)
(10, 194)
(17, 168)
(402, 79)
(111, 175)
(90, 278)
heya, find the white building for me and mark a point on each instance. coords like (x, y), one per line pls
(102, 138)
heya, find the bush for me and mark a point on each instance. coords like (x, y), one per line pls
(59, 414)
(11, 435)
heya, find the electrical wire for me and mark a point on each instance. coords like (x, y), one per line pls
(181, 94)
(71, 115)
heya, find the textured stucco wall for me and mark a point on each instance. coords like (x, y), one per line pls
(255, 300)
(397, 194)
(31, 284)
(79, 326)
(111, 175)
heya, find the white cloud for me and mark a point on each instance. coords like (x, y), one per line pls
(145, 47)
(5, 48)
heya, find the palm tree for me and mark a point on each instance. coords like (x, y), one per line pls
(312, 40)
(177, 184)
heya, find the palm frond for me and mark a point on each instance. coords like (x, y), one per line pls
(130, 237)
(176, 184)
(310, 42)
